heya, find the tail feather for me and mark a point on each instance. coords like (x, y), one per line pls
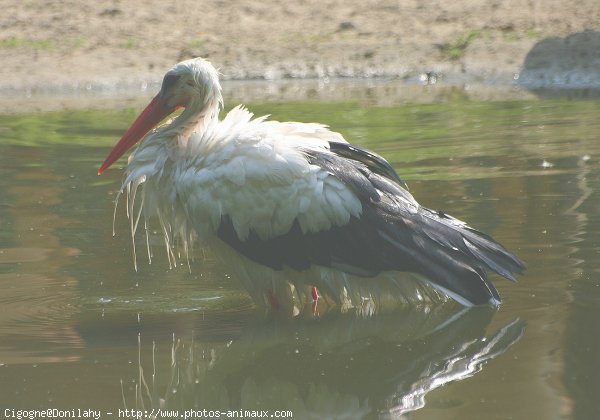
(452, 256)
(448, 271)
(493, 256)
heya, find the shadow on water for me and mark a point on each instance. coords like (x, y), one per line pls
(317, 368)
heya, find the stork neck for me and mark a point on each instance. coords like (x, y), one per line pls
(196, 117)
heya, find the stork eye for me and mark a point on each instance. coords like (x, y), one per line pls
(169, 81)
(190, 83)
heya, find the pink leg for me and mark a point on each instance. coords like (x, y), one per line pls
(273, 301)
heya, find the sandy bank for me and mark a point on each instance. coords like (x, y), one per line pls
(56, 48)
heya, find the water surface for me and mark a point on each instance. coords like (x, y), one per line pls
(80, 328)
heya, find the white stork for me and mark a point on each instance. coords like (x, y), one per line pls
(293, 198)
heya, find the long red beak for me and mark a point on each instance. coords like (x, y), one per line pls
(154, 113)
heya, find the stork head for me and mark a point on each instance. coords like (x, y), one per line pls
(192, 84)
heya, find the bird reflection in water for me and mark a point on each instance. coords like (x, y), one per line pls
(336, 366)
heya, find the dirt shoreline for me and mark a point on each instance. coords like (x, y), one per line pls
(71, 47)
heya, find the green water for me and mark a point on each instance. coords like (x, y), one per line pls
(80, 329)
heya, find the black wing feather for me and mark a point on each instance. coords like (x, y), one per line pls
(373, 161)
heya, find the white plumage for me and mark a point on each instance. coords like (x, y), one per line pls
(251, 170)
(296, 199)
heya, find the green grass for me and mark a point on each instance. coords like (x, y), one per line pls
(195, 44)
(533, 34)
(79, 42)
(129, 44)
(43, 44)
(37, 44)
(456, 49)
(510, 35)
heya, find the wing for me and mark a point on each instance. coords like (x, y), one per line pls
(392, 232)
